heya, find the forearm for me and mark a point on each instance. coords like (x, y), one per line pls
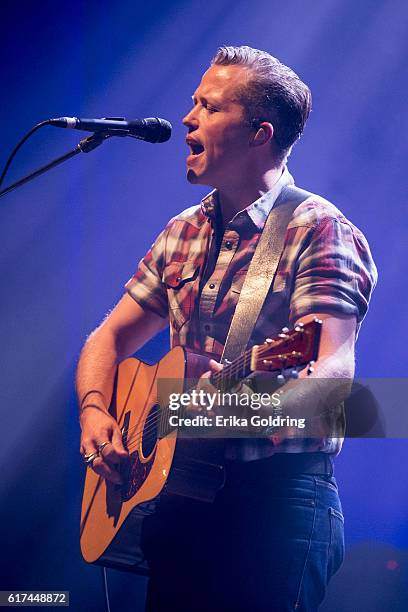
(123, 332)
(312, 403)
(331, 376)
(329, 381)
(96, 369)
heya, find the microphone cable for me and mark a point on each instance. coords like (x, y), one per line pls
(105, 588)
(19, 145)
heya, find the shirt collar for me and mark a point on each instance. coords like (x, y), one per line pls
(208, 205)
(259, 210)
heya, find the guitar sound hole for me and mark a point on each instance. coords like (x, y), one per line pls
(149, 438)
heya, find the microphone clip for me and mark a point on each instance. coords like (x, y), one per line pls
(91, 142)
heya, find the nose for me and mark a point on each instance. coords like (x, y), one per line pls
(190, 120)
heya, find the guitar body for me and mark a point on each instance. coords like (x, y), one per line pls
(112, 515)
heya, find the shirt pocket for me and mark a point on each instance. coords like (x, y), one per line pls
(179, 279)
(280, 282)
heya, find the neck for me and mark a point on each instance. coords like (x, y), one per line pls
(234, 198)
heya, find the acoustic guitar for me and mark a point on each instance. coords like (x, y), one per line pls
(161, 462)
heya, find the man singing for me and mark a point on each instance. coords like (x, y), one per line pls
(273, 537)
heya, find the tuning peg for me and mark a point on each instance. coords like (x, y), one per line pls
(310, 367)
(268, 341)
(285, 330)
(294, 374)
(280, 379)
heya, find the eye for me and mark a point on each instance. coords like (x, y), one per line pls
(211, 109)
(203, 102)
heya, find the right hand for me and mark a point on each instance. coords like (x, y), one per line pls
(99, 427)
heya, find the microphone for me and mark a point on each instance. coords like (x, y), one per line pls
(151, 129)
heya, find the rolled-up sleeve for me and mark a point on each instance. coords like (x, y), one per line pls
(335, 272)
(146, 286)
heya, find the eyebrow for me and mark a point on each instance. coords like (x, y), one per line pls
(205, 99)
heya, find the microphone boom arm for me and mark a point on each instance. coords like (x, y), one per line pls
(84, 146)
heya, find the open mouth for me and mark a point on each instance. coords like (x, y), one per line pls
(195, 148)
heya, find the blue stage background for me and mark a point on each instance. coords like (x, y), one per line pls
(72, 238)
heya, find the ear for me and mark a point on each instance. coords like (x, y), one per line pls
(263, 134)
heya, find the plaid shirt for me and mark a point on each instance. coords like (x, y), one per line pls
(194, 272)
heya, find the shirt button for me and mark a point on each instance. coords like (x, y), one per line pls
(211, 286)
(207, 327)
(228, 245)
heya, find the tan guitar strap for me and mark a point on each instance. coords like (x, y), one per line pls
(261, 272)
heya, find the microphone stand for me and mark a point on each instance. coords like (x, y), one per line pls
(84, 146)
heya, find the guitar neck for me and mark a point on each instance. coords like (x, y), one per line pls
(290, 349)
(233, 372)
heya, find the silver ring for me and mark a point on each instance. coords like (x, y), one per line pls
(102, 446)
(89, 459)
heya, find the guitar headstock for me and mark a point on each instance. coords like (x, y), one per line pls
(290, 349)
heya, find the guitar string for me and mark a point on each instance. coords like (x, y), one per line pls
(237, 365)
(134, 439)
(149, 426)
(217, 377)
(138, 435)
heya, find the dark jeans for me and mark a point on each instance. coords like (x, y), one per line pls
(262, 546)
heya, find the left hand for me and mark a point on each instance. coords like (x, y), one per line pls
(205, 385)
